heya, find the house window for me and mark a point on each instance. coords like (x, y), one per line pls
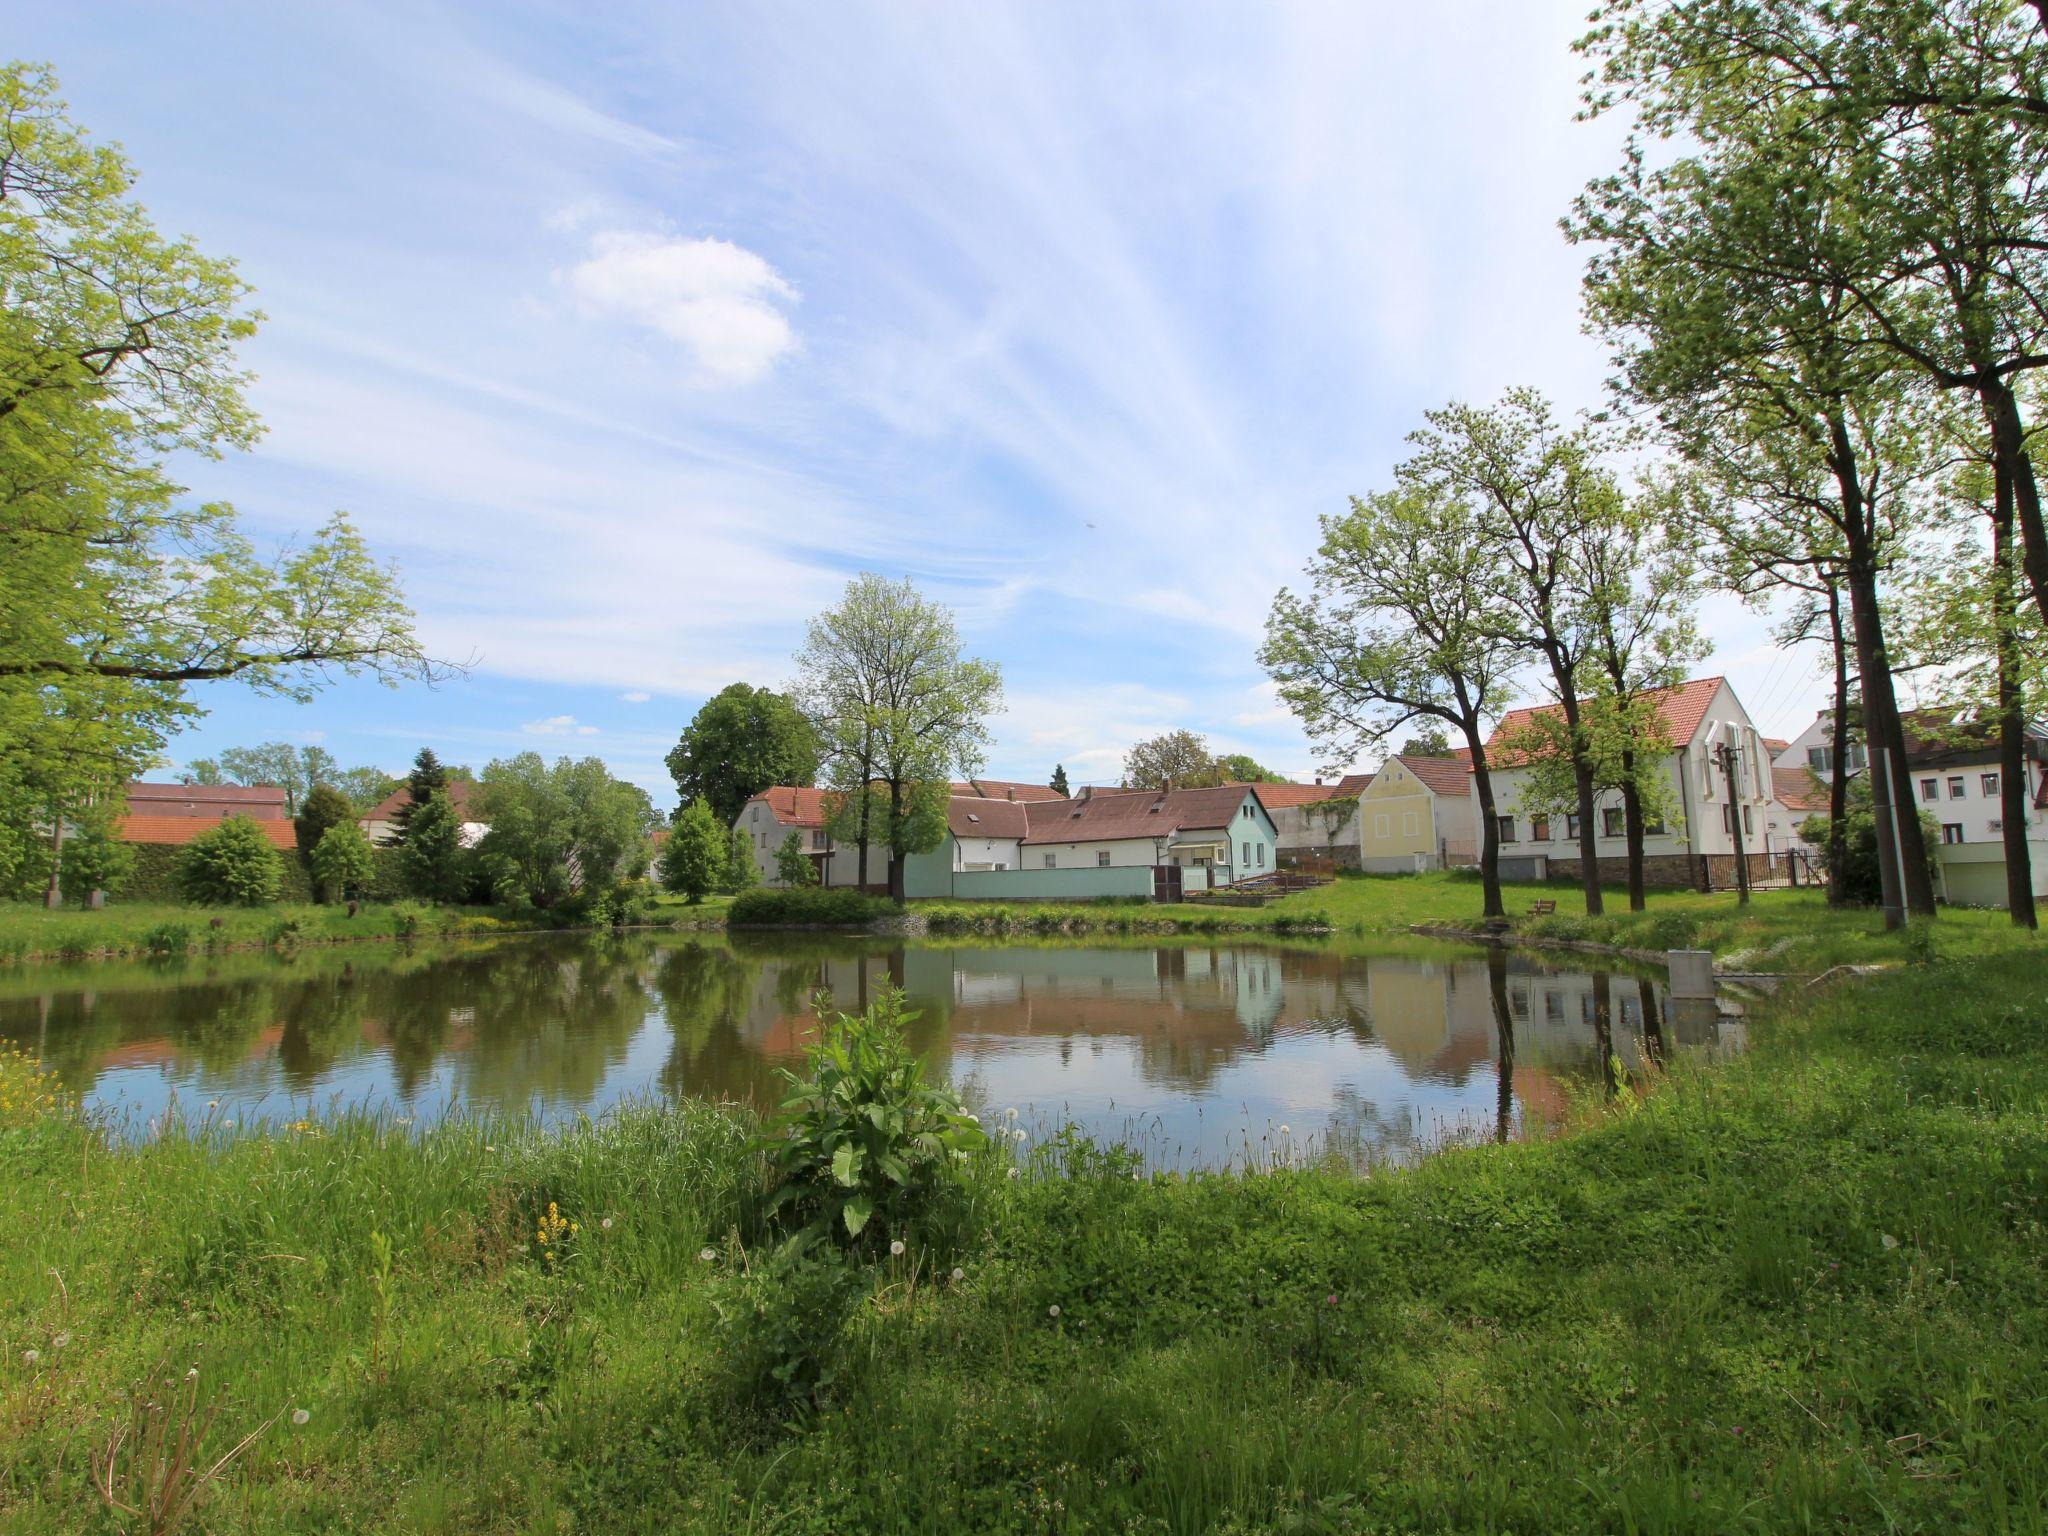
(1411, 824)
(1571, 825)
(1102, 858)
(1052, 861)
(1259, 856)
(1989, 784)
(1951, 832)
(817, 839)
(1930, 789)
(1728, 819)
(1381, 826)
(1955, 787)
(1247, 855)
(1817, 759)
(1747, 824)
(1610, 821)
(1653, 825)
(1539, 829)
(1506, 825)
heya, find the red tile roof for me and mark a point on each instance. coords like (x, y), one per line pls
(1006, 789)
(1682, 708)
(1278, 797)
(794, 805)
(1798, 790)
(1136, 813)
(977, 816)
(1352, 785)
(458, 796)
(184, 829)
(260, 802)
(1448, 776)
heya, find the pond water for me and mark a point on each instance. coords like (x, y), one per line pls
(1204, 1054)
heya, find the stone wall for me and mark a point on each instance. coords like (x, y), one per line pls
(1671, 869)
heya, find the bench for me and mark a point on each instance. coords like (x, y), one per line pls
(1542, 908)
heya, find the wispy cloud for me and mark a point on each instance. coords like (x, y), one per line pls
(723, 305)
(637, 696)
(558, 725)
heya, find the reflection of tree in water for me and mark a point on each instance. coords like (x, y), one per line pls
(547, 1020)
(707, 994)
(322, 1020)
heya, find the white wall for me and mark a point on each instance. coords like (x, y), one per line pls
(1959, 797)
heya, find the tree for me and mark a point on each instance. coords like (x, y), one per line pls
(898, 706)
(742, 874)
(792, 865)
(1427, 741)
(1537, 489)
(566, 827)
(117, 590)
(427, 779)
(693, 859)
(230, 865)
(324, 807)
(95, 858)
(342, 861)
(435, 862)
(1397, 628)
(1858, 875)
(1240, 768)
(1059, 780)
(741, 742)
(1172, 760)
(364, 787)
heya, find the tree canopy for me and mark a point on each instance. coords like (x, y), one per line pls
(742, 741)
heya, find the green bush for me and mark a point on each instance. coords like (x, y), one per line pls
(806, 908)
(231, 865)
(167, 939)
(782, 1332)
(865, 1151)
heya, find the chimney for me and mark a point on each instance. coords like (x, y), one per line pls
(1013, 792)
(1319, 781)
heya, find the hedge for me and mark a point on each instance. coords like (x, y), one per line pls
(155, 876)
(805, 907)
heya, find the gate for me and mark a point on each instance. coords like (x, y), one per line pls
(1166, 882)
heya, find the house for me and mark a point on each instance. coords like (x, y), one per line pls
(381, 826)
(1796, 794)
(1418, 813)
(1005, 789)
(177, 831)
(1317, 823)
(1955, 773)
(769, 817)
(207, 802)
(1814, 749)
(1700, 717)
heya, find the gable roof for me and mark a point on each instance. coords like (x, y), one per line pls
(1352, 785)
(793, 805)
(980, 816)
(259, 802)
(184, 829)
(1937, 736)
(1798, 790)
(1279, 797)
(1681, 707)
(1121, 814)
(1006, 789)
(1448, 776)
(389, 807)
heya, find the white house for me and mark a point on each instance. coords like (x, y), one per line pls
(382, 824)
(1700, 717)
(1955, 771)
(769, 818)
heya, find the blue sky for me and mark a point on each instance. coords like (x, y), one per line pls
(632, 332)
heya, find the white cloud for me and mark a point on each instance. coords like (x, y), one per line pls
(637, 696)
(721, 302)
(558, 725)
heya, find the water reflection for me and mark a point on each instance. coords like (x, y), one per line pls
(1203, 1051)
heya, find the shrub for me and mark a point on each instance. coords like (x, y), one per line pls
(94, 857)
(167, 939)
(782, 1330)
(231, 865)
(807, 907)
(694, 859)
(865, 1150)
(343, 861)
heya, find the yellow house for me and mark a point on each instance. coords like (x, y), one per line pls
(1417, 814)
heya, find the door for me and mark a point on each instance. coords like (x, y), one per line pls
(1166, 882)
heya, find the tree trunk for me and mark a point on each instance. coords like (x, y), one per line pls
(895, 853)
(2012, 462)
(1582, 783)
(2012, 716)
(53, 896)
(1504, 1043)
(1838, 747)
(1489, 822)
(1632, 827)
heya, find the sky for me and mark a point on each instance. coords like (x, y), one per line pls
(631, 333)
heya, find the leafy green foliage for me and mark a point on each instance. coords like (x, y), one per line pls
(231, 865)
(782, 1341)
(794, 867)
(323, 807)
(94, 857)
(695, 856)
(865, 1150)
(742, 741)
(437, 865)
(1241, 768)
(560, 827)
(802, 907)
(1859, 883)
(1173, 759)
(1059, 780)
(343, 861)
(741, 872)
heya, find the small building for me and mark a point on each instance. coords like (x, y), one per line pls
(1317, 823)
(1813, 749)
(1955, 772)
(207, 802)
(769, 817)
(1700, 717)
(382, 825)
(1418, 813)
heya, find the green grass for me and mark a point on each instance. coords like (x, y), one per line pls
(1806, 1289)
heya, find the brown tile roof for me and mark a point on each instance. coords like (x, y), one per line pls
(183, 829)
(978, 816)
(794, 805)
(261, 802)
(1352, 785)
(1936, 736)
(458, 796)
(1278, 797)
(1798, 790)
(1682, 708)
(1006, 789)
(1136, 813)
(1776, 744)
(1447, 776)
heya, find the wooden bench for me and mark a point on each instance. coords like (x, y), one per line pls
(1542, 908)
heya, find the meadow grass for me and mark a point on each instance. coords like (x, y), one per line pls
(1805, 1289)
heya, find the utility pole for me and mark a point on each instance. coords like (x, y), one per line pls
(1728, 757)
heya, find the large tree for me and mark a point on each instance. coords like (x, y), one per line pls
(563, 827)
(899, 706)
(1172, 760)
(742, 741)
(1397, 629)
(117, 588)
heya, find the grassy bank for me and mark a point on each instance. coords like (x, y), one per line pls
(1808, 1291)
(29, 932)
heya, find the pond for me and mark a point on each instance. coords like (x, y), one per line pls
(1202, 1053)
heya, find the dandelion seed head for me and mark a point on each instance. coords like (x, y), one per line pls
(31, 1356)
(299, 1415)
(1009, 1114)
(896, 1249)
(1053, 1310)
(707, 1254)
(606, 1223)
(193, 1374)
(959, 1274)
(60, 1341)
(1013, 1173)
